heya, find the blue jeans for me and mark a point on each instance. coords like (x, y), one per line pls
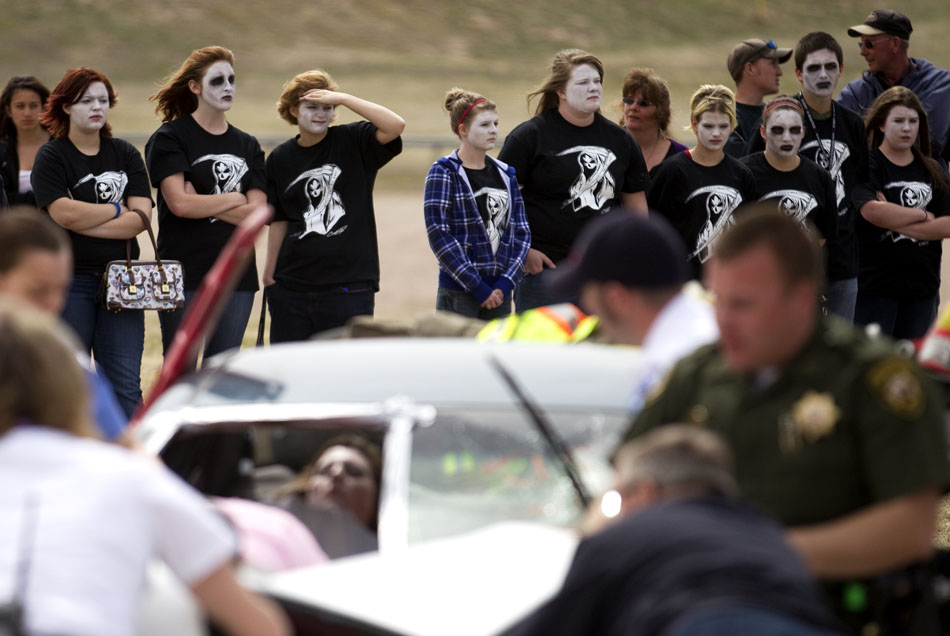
(899, 318)
(729, 621)
(533, 292)
(840, 298)
(115, 338)
(297, 315)
(459, 302)
(231, 326)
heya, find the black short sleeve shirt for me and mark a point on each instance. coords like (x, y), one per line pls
(325, 194)
(569, 174)
(114, 174)
(214, 164)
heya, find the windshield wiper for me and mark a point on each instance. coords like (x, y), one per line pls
(555, 442)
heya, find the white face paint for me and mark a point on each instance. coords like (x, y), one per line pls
(217, 86)
(712, 130)
(483, 130)
(783, 133)
(314, 118)
(820, 73)
(583, 89)
(900, 128)
(90, 112)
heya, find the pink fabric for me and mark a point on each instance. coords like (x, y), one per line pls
(270, 538)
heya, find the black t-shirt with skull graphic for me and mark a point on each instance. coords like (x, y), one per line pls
(805, 193)
(848, 166)
(699, 200)
(325, 193)
(894, 265)
(569, 174)
(491, 198)
(214, 164)
(113, 175)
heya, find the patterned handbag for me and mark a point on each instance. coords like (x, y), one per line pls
(154, 284)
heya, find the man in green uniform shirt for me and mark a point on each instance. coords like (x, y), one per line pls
(837, 436)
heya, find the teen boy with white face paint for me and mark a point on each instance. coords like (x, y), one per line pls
(322, 263)
(798, 186)
(835, 140)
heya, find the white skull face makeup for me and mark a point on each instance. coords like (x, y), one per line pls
(712, 130)
(314, 118)
(89, 113)
(820, 73)
(583, 89)
(900, 128)
(217, 86)
(483, 130)
(783, 133)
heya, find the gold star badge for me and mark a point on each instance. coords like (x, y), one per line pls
(815, 415)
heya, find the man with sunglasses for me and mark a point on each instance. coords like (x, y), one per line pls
(754, 65)
(884, 41)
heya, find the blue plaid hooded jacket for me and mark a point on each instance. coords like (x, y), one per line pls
(458, 236)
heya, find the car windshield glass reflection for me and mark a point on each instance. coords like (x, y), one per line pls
(475, 467)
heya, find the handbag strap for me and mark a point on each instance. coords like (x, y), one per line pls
(151, 236)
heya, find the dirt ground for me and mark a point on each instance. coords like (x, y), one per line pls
(408, 273)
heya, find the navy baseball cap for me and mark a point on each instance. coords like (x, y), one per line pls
(883, 21)
(634, 250)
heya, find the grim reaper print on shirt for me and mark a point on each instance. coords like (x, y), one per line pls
(721, 202)
(794, 203)
(227, 172)
(913, 194)
(496, 203)
(324, 204)
(109, 186)
(840, 154)
(594, 186)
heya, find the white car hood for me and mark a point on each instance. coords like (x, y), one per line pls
(474, 584)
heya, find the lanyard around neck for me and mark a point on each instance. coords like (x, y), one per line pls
(822, 158)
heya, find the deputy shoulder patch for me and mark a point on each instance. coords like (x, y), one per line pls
(898, 387)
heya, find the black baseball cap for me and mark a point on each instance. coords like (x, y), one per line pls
(624, 246)
(883, 21)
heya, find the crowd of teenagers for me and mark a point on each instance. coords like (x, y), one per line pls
(867, 173)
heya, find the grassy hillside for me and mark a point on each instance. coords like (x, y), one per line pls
(406, 54)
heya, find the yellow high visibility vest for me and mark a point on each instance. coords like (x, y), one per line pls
(563, 322)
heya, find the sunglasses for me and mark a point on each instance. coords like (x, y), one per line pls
(768, 45)
(869, 44)
(642, 103)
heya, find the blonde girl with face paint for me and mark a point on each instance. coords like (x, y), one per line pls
(322, 264)
(475, 216)
(699, 189)
(209, 176)
(573, 164)
(797, 186)
(905, 215)
(90, 183)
